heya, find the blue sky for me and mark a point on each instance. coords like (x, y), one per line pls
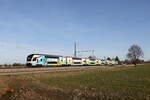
(109, 27)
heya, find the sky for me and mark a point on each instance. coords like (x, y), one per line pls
(109, 27)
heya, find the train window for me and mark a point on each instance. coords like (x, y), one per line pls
(77, 58)
(92, 59)
(34, 59)
(54, 57)
(77, 62)
(51, 62)
(92, 63)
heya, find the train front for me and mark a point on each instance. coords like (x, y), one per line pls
(29, 59)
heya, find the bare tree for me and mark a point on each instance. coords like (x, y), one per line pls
(135, 53)
(118, 60)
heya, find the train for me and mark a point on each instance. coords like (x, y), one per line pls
(45, 60)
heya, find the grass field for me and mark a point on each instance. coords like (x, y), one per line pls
(106, 83)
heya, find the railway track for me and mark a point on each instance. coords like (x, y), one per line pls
(17, 71)
(4, 72)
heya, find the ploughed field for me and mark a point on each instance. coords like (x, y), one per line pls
(77, 83)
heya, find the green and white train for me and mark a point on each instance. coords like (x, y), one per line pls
(56, 60)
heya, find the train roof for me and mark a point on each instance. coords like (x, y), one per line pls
(47, 55)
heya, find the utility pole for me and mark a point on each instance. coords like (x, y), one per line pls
(75, 50)
(93, 52)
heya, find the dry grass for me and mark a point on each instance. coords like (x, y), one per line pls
(113, 83)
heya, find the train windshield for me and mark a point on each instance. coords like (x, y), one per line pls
(29, 57)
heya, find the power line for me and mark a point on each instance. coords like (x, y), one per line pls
(87, 51)
(83, 51)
